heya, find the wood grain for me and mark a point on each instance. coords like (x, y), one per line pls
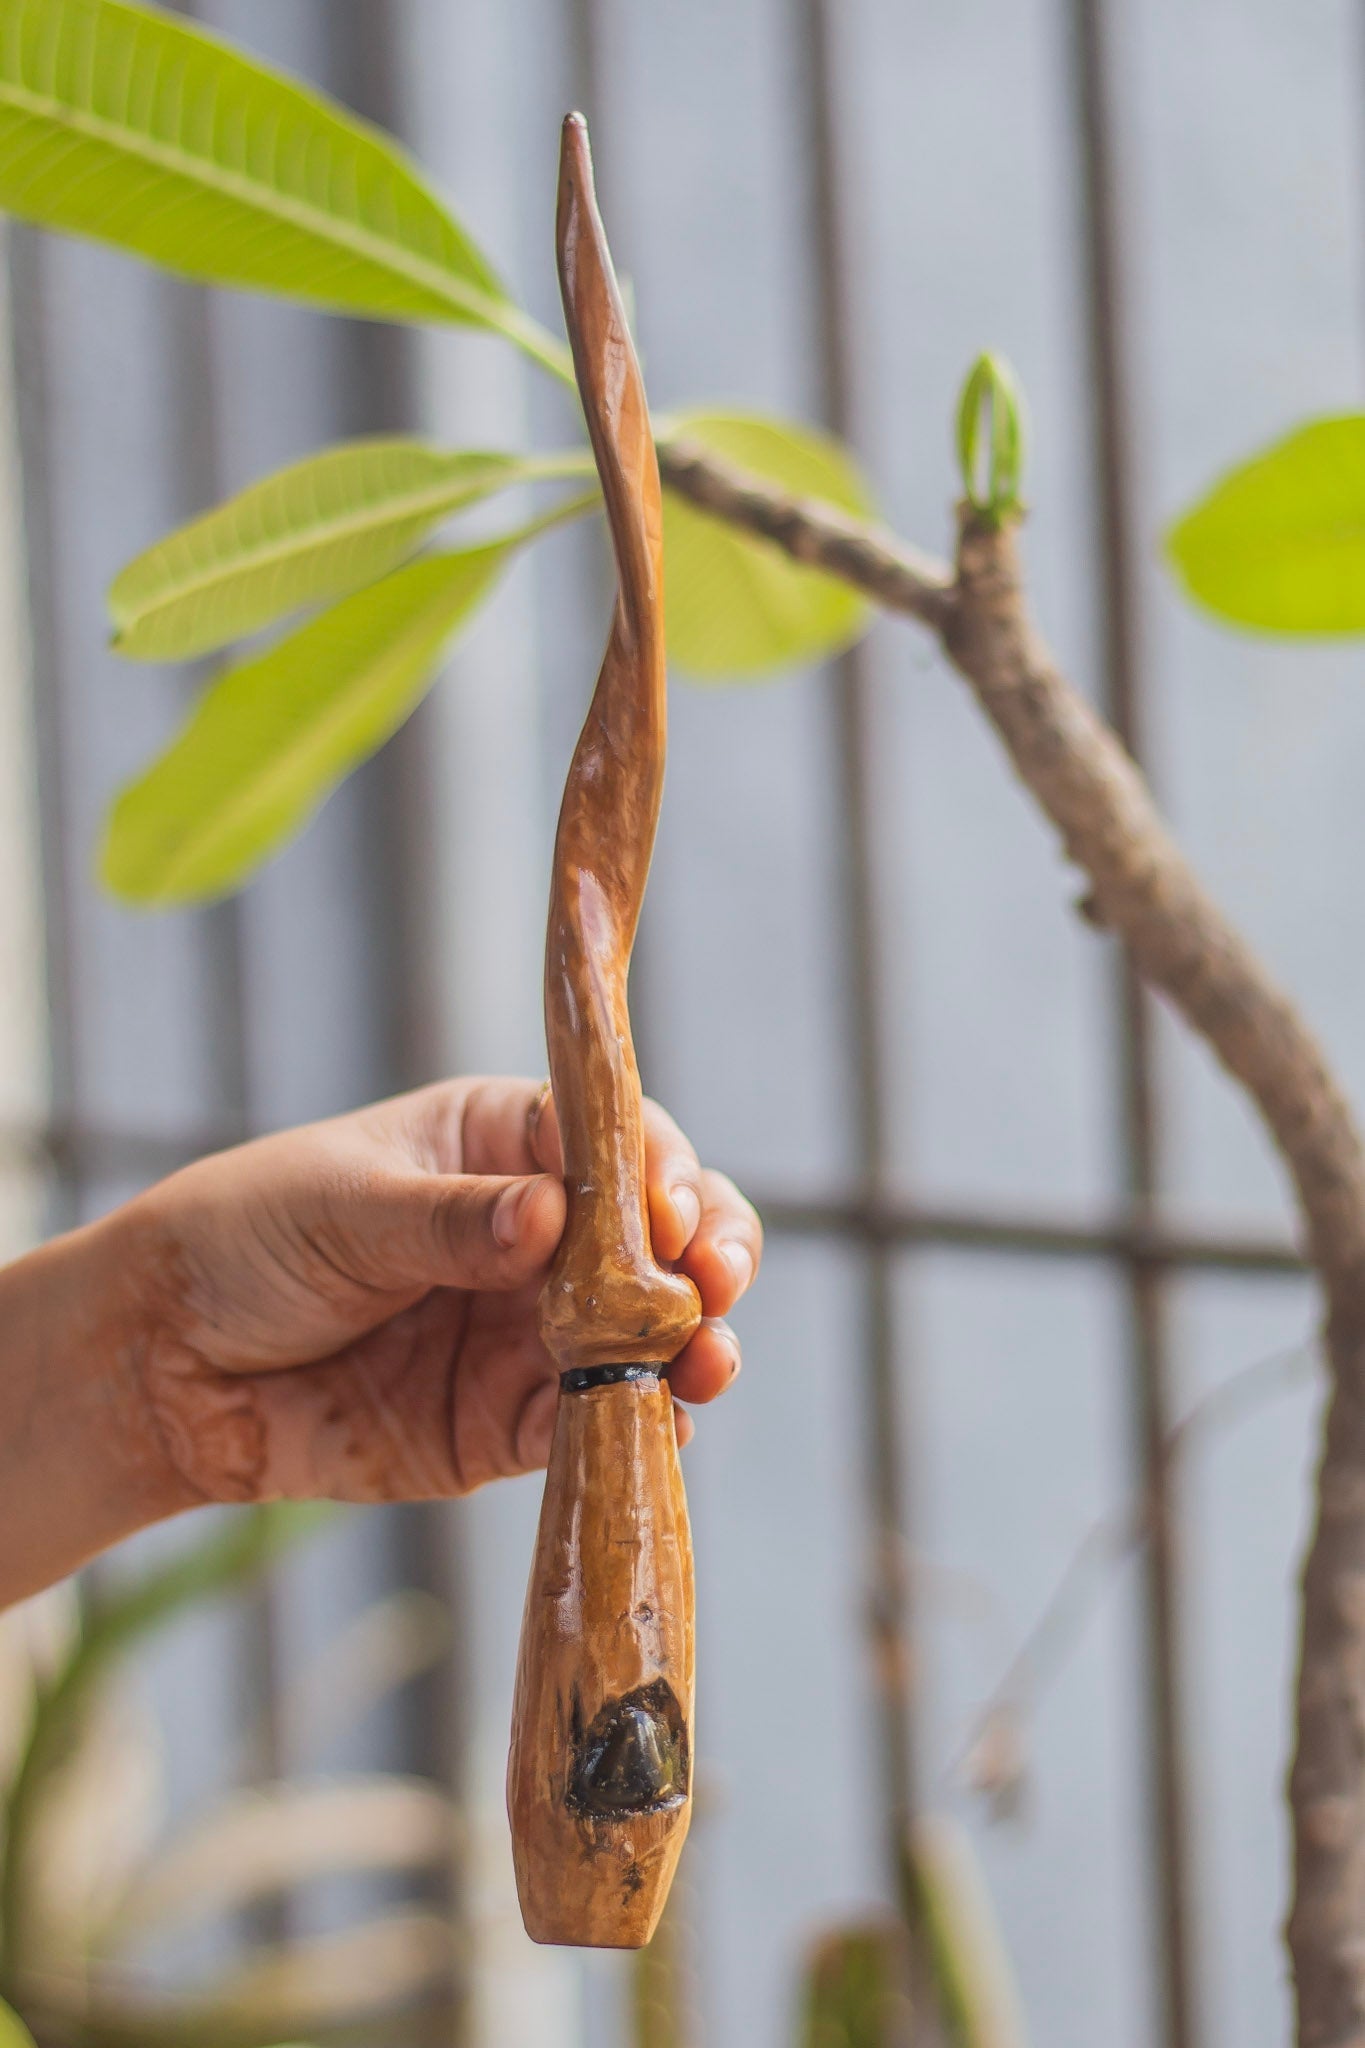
(600, 1780)
(599, 1777)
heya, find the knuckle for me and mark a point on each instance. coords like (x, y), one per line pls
(662, 1128)
(725, 1195)
(461, 1218)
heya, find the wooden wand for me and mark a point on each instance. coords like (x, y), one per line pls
(599, 1777)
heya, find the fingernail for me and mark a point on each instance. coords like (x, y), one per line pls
(740, 1260)
(684, 1200)
(507, 1213)
(719, 1328)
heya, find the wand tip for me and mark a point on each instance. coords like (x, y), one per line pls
(577, 198)
(575, 159)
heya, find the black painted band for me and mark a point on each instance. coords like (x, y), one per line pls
(580, 1377)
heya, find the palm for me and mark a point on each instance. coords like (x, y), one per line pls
(308, 1346)
(428, 1403)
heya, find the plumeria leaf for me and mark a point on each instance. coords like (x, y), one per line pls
(1279, 542)
(318, 529)
(855, 1992)
(661, 2012)
(736, 605)
(13, 2032)
(234, 1555)
(973, 1976)
(123, 123)
(269, 740)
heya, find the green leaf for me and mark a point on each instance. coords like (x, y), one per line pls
(234, 1555)
(13, 2032)
(120, 122)
(990, 425)
(660, 2005)
(971, 1969)
(271, 739)
(318, 529)
(855, 1992)
(1279, 542)
(738, 606)
(237, 1552)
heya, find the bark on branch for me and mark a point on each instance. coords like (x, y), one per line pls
(1144, 890)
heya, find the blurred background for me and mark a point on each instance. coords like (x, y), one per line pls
(1019, 1229)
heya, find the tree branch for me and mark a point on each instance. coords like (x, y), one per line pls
(1146, 893)
(896, 576)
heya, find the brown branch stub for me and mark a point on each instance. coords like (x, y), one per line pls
(1142, 887)
(1147, 893)
(1143, 890)
(1183, 945)
(1326, 1926)
(811, 531)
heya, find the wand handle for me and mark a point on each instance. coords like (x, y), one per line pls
(599, 1777)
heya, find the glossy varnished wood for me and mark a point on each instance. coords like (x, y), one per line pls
(599, 1778)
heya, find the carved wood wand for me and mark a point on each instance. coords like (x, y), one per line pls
(599, 1776)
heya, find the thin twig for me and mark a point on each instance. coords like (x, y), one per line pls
(869, 558)
(1144, 891)
(1144, 888)
(1113, 1537)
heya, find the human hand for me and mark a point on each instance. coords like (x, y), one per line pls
(348, 1310)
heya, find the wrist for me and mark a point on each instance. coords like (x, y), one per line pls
(81, 1462)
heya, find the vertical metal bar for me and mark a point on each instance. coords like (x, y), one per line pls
(1149, 1353)
(814, 28)
(195, 425)
(196, 428)
(379, 394)
(27, 258)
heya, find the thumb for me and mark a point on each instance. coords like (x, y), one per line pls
(492, 1232)
(481, 1231)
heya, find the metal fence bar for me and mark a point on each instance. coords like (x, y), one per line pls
(146, 1155)
(197, 429)
(883, 1362)
(1131, 1241)
(27, 261)
(379, 395)
(1150, 1364)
